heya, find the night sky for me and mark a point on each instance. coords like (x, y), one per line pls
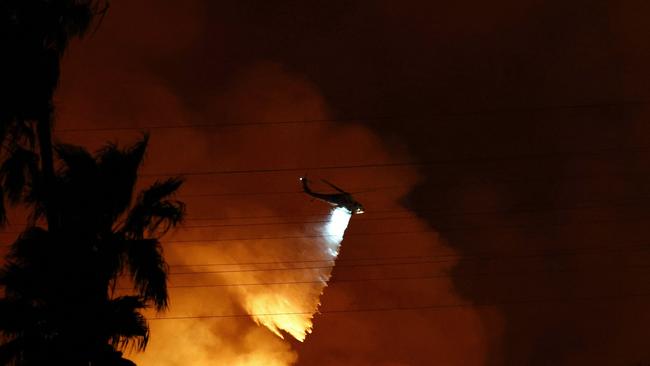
(513, 214)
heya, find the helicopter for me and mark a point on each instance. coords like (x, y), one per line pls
(342, 199)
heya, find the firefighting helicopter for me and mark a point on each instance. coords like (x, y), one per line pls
(343, 199)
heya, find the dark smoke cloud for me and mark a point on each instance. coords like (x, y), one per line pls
(483, 63)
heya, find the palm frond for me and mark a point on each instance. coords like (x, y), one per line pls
(118, 171)
(153, 210)
(125, 324)
(33, 266)
(76, 20)
(20, 131)
(34, 245)
(109, 253)
(25, 282)
(148, 270)
(16, 171)
(77, 160)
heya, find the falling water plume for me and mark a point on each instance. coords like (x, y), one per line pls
(298, 306)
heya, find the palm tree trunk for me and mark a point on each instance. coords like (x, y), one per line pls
(44, 131)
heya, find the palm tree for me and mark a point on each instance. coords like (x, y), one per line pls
(34, 34)
(58, 284)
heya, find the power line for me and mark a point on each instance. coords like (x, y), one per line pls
(181, 241)
(199, 125)
(382, 264)
(295, 261)
(212, 218)
(419, 307)
(639, 201)
(485, 256)
(471, 160)
(630, 202)
(292, 192)
(425, 277)
(408, 278)
(429, 259)
(351, 119)
(293, 222)
(438, 212)
(298, 282)
(403, 232)
(364, 265)
(305, 268)
(224, 218)
(182, 227)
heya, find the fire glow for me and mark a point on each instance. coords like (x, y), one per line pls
(297, 309)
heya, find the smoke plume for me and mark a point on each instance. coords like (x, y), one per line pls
(255, 241)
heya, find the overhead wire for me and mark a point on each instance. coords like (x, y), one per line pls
(630, 202)
(401, 232)
(413, 214)
(641, 245)
(633, 201)
(358, 265)
(468, 160)
(231, 124)
(442, 275)
(292, 192)
(431, 276)
(591, 299)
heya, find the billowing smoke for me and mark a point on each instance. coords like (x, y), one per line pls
(279, 297)
(253, 244)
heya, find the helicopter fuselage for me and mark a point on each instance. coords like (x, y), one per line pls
(342, 199)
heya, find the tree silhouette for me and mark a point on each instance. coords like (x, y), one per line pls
(59, 305)
(34, 34)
